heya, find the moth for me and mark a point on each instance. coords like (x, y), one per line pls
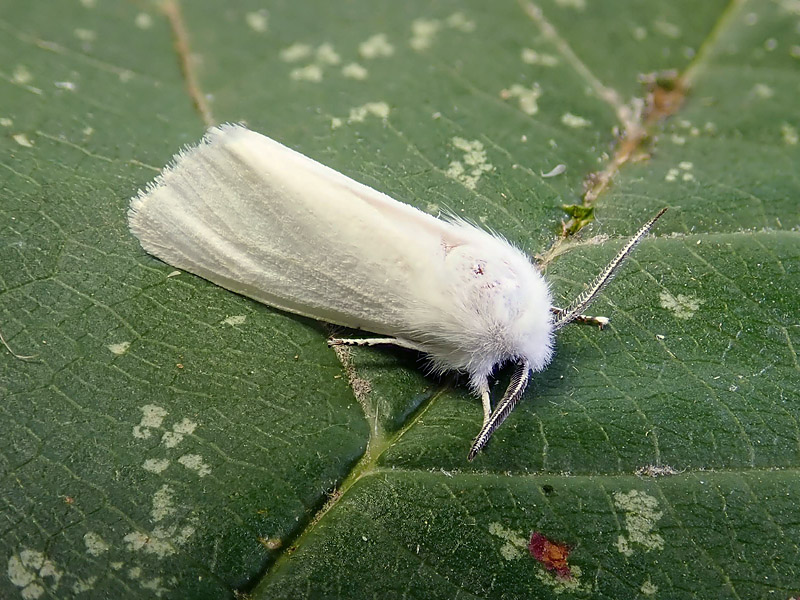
(262, 220)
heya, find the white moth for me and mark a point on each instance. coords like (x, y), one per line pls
(257, 218)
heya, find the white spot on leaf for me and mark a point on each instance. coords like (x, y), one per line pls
(258, 20)
(155, 465)
(163, 506)
(474, 166)
(763, 91)
(21, 75)
(423, 32)
(648, 588)
(574, 121)
(70, 86)
(327, 55)
(143, 21)
(95, 545)
(295, 52)
(531, 57)
(375, 46)
(459, 21)
(789, 134)
(194, 462)
(120, 348)
(235, 320)
(528, 97)
(641, 516)
(683, 306)
(170, 439)
(152, 418)
(308, 73)
(354, 71)
(33, 573)
(515, 544)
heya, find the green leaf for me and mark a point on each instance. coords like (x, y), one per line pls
(171, 438)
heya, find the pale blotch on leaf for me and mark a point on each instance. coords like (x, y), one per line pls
(70, 86)
(641, 516)
(682, 306)
(295, 52)
(33, 573)
(532, 57)
(648, 588)
(683, 170)
(81, 586)
(574, 121)
(354, 71)
(359, 114)
(95, 545)
(375, 46)
(327, 55)
(156, 465)
(194, 462)
(143, 21)
(460, 22)
(172, 438)
(163, 506)
(120, 348)
(152, 417)
(311, 73)
(528, 97)
(235, 320)
(474, 165)
(515, 544)
(21, 75)
(422, 33)
(6, 122)
(378, 109)
(258, 20)
(763, 91)
(560, 585)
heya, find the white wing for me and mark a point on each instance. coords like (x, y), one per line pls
(258, 218)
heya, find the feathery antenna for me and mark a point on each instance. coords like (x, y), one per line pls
(519, 380)
(586, 297)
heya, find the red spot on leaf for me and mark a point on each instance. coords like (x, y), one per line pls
(552, 555)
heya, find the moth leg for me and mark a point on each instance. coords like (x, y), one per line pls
(375, 342)
(486, 400)
(585, 319)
